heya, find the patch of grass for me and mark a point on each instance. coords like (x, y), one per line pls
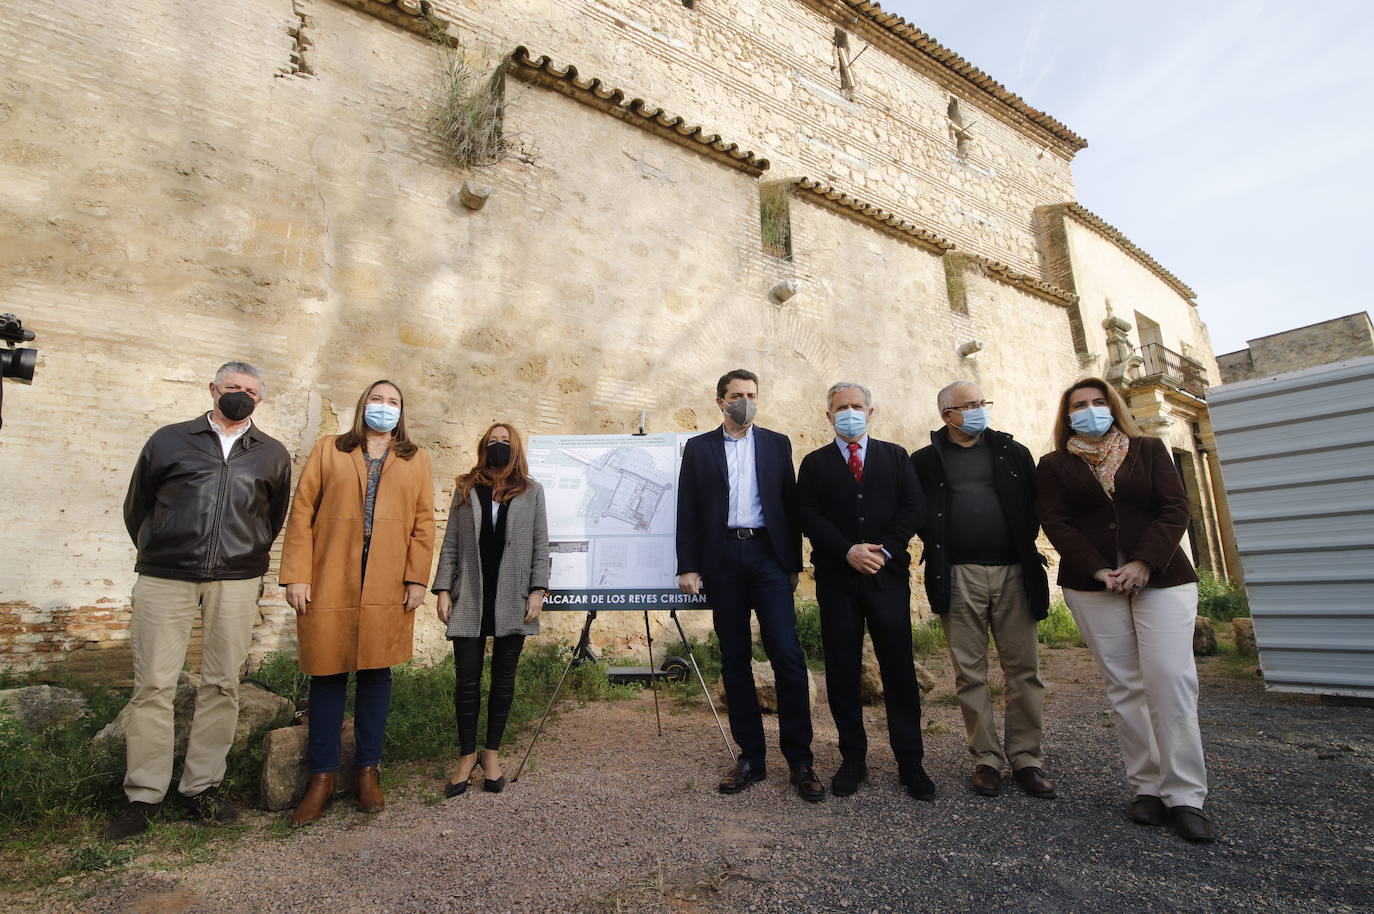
(929, 637)
(809, 633)
(55, 775)
(1220, 600)
(1058, 628)
(775, 223)
(470, 115)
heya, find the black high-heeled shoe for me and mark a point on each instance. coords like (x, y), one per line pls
(456, 790)
(495, 786)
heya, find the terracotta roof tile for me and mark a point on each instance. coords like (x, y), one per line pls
(885, 221)
(1113, 234)
(541, 71)
(925, 44)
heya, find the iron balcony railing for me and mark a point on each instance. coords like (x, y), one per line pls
(1173, 368)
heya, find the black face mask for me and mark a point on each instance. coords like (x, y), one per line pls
(236, 406)
(498, 454)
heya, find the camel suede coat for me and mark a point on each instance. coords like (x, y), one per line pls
(355, 623)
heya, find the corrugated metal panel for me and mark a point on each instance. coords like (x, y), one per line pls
(1297, 454)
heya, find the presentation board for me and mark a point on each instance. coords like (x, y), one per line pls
(612, 507)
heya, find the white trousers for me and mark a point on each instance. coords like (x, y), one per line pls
(1143, 645)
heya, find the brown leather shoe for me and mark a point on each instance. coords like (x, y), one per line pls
(1147, 809)
(318, 794)
(1034, 782)
(986, 781)
(367, 789)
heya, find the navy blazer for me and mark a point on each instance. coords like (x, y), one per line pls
(886, 509)
(703, 500)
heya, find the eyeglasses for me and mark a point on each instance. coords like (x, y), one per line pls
(972, 404)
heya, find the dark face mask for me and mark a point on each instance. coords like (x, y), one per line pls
(498, 454)
(236, 406)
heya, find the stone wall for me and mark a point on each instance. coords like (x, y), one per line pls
(184, 183)
(1349, 337)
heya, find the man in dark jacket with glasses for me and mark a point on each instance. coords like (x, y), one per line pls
(983, 573)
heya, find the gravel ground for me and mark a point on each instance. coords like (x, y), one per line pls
(614, 818)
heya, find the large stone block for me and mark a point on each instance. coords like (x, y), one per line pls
(43, 707)
(259, 709)
(1244, 630)
(286, 769)
(871, 680)
(1204, 637)
(767, 687)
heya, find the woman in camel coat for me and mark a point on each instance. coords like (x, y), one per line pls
(358, 548)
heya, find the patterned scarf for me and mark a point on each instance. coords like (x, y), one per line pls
(1104, 455)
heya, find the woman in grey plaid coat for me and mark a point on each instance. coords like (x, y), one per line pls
(492, 578)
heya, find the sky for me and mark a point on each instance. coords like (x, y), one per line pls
(1232, 140)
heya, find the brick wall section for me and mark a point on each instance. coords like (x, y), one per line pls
(172, 197)
(1349, 337)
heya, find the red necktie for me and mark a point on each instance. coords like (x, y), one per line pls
(855, 466)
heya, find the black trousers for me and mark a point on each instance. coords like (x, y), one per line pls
(750, 576)
(467, 694)
(846, 606)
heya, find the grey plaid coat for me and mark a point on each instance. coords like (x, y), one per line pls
(524, 564)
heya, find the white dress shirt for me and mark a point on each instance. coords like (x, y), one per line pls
(226, 442)
(746, 508)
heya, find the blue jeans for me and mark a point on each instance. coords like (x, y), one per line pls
(750, 577)
(328, 695)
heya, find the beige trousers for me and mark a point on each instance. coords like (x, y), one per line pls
(164, 612)
(992, 598)
(1143, 645)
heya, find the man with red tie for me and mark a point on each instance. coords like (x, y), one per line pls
(859, 502)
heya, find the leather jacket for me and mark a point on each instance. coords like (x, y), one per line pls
(195, 516)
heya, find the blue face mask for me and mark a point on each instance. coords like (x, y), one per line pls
(1091, 421)
(975, 420)
(381, 417)
(851, 423)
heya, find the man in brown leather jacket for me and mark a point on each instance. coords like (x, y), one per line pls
(205, 503)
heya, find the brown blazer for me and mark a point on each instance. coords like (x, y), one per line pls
(352, 624)
(1144, 520)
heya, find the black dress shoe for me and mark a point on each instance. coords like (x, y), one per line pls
(986, 781)
(456, 790)
(808, 786)
(495, 786)
(1149, 810)
(847, 780)
(1034, 782)
(741, 776)
(1192, 825)
(919, 784)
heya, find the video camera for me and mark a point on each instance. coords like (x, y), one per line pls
(16, 363)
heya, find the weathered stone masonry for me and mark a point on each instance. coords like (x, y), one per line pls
(182, 183)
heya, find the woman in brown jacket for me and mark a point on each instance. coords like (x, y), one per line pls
(1113, 504)
(357, 553)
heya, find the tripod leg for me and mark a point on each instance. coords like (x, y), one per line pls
(572, 661)
(702, 679)
(653, 673)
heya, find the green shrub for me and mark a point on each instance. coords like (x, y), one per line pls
(809, 633)
(55, 775)
(1058, 628)
(929, 637)
(1219, 599)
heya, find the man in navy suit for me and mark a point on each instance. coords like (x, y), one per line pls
(859, 502)
(737, 539)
